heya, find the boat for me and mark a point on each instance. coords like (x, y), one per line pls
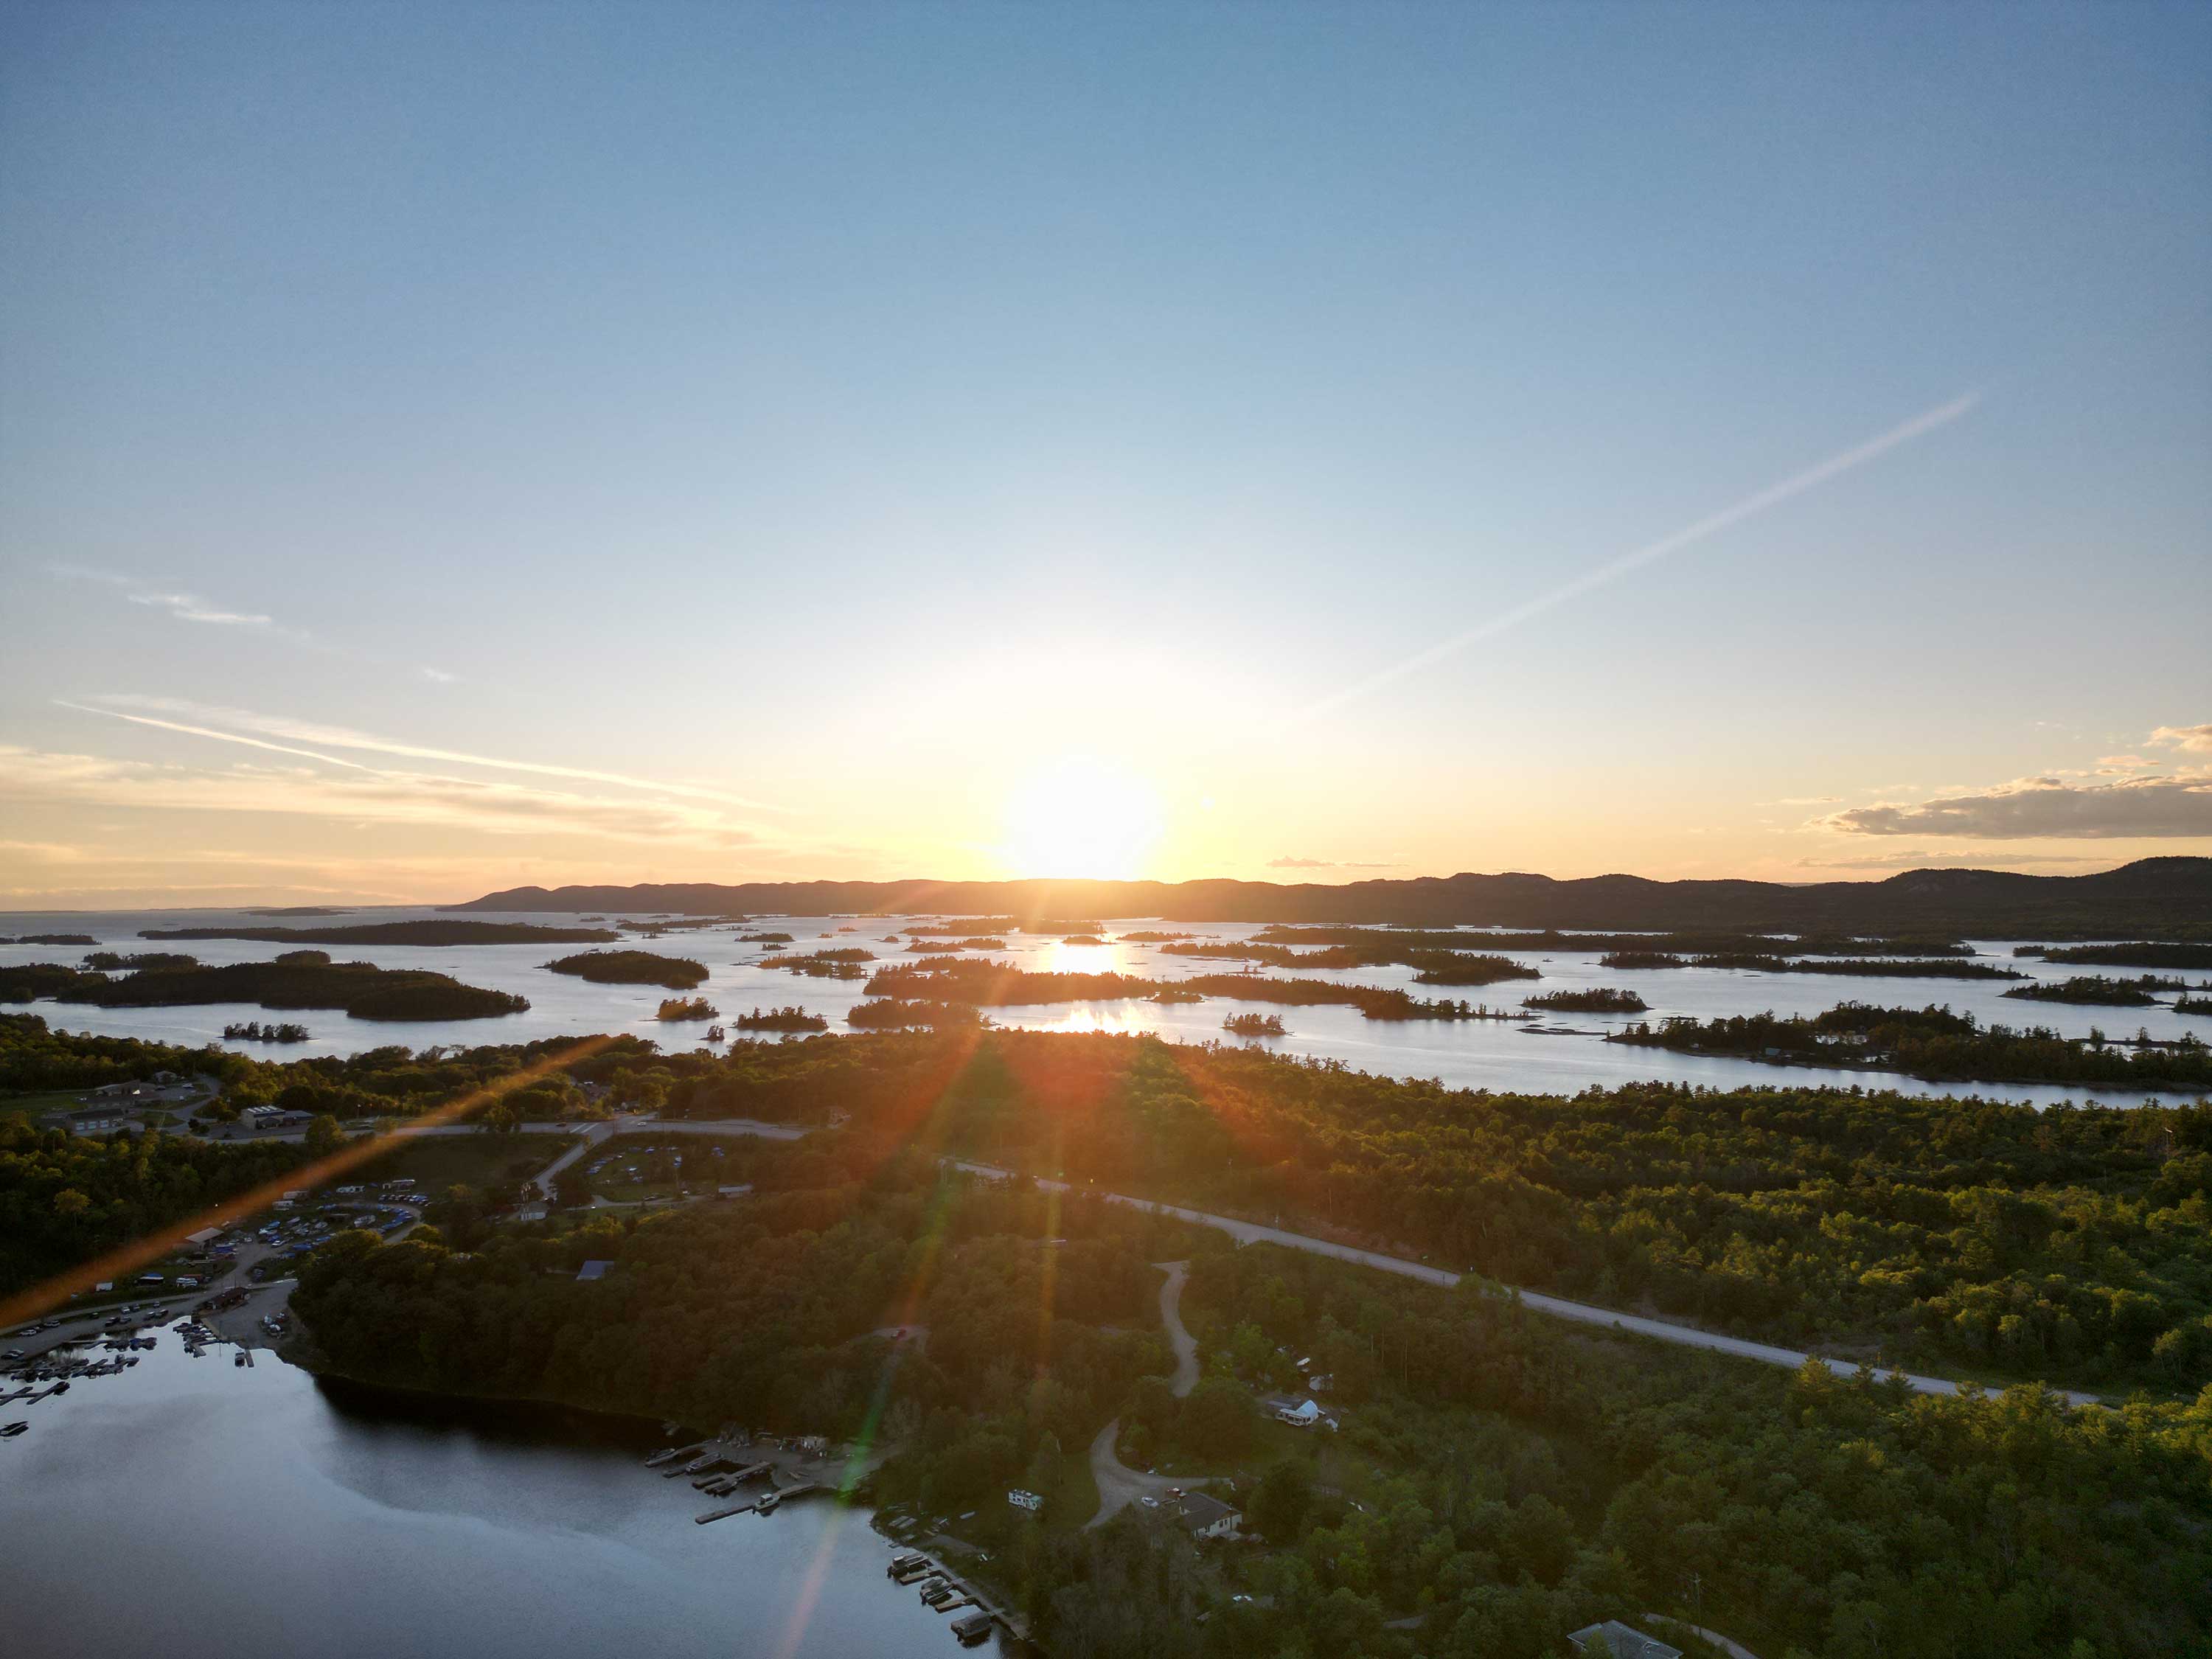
(238, 1359)
(905, 1559)
(767, 1505)
(972, 1627)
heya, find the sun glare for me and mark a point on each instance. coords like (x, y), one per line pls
(1081, 817)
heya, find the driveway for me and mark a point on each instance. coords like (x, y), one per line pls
(1119, 1486)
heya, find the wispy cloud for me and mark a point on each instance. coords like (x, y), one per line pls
(1806, 800)
(1712, 524)
(186, 606)
(1335, 864)
(363, 795)
(189, 607)
(234, 725)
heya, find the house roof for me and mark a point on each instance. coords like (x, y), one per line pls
(1201, 1510)
(1614, 1640)
(593, 1270)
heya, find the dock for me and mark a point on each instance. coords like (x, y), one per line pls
(723, 1514)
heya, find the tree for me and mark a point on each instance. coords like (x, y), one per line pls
(1219, 1419)
(324, 1135)
(1281, 1501)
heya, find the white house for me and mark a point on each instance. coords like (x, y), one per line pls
(1207, 1516)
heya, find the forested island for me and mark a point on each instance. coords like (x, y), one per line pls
(780, 1019)
(1396, 939)
(1254, 1025)
(253, 1030)
(847, 963)
(2097, 991)
(297, 979)
(1933, 1043)
(1604, 1000)
(633, 968)
(108, 961)
(1634, 959)
(990, 985)
(2138, 953)
(1859, 968)
(1433, 966)
(679, 1008)
(440, 932)
(903, 1013)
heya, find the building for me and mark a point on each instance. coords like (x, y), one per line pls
(1207, 1516)
(1025, 1500)
(592, 1270)
(1614, 1640)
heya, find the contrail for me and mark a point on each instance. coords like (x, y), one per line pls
(1772, 495)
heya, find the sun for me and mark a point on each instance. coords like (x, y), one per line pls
(1081, 817)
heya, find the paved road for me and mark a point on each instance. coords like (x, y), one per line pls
(1119, 1486)
(1251, 1232)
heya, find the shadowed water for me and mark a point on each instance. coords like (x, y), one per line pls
(195, 1510)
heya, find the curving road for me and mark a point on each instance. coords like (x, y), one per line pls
(1119, 1486)
(1251, 1232)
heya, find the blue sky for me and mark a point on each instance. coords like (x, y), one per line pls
(859, 429)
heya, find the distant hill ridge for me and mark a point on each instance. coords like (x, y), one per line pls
(2151, 896)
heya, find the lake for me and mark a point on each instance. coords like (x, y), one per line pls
(199, 1510)
(1471, 1053)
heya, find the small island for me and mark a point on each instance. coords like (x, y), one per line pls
(632, 968)
(1254, 1025)
(1639, 959)
(1604, 1000)
(780, 1019)
(674, 1008)
(255, 1031)
(893, 1013)
(2096, 991)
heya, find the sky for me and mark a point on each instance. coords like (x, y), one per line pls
(449, 446)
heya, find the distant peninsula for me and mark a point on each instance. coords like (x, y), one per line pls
(400, 932)
(2160, 898)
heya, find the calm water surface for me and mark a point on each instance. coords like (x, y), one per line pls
(1486, 1054)
(193, 1509)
